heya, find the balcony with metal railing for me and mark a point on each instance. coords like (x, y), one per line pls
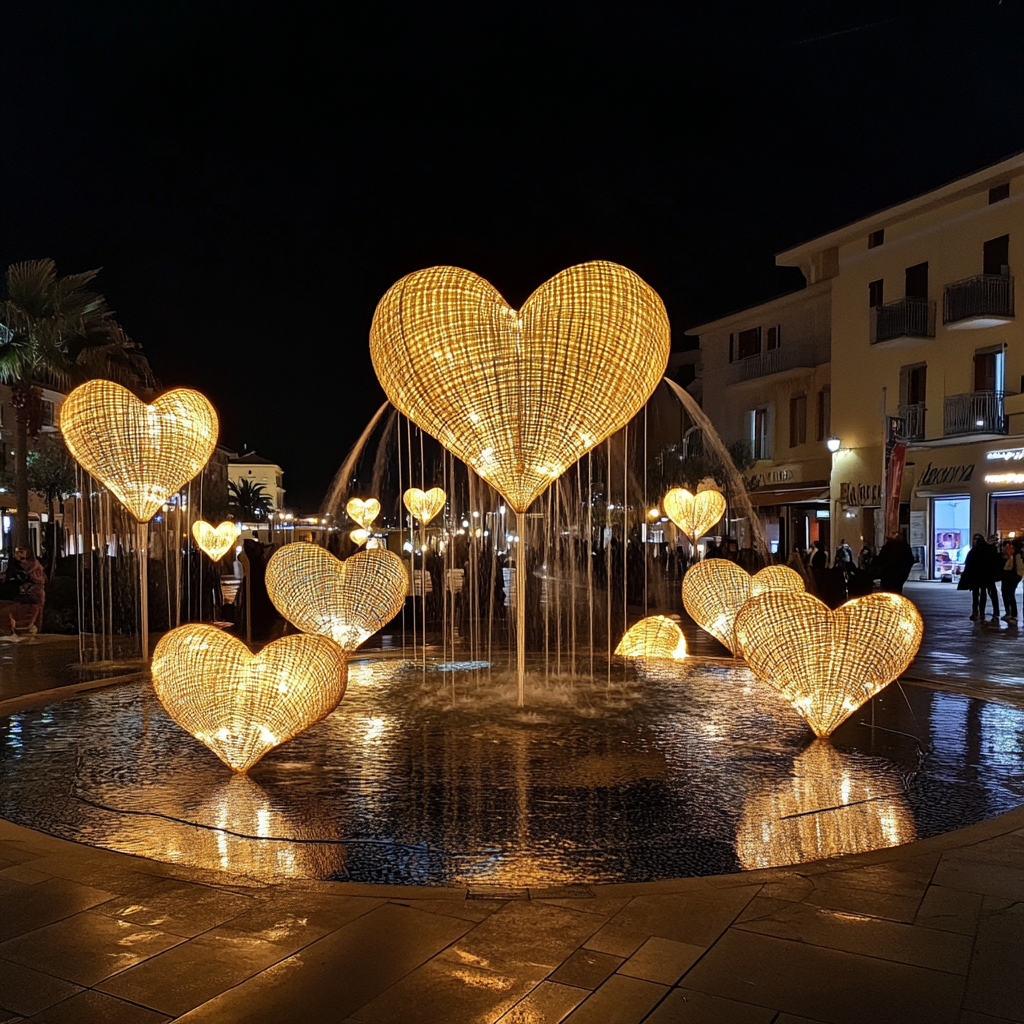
(977, 412)
(790, 360)
(903, 319)
(975, 302)
(913, 421)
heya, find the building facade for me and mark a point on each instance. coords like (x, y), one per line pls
(259, 471)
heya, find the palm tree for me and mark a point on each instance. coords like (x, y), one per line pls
(57, 332)
(247, 501)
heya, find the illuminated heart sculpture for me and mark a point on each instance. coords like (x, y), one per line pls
(424, 505)
(714, 591)
(216, 541)
(654, 637)
(242, 705)
(347, 601)
(694, 514)
(363, 512)
(142, 453)
(828, 663)
(520, 396)
(359, 537)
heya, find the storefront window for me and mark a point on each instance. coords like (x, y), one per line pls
(951, 535)
(1008, 515)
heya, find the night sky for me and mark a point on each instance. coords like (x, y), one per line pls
(252, 178)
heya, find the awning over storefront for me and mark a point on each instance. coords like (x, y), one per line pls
(789, 495)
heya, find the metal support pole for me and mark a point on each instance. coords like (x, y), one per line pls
(143, 544)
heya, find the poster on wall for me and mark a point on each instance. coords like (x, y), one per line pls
(895, 457)
(917, 530)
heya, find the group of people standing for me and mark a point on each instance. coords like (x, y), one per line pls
(852, 576)
(990, 562)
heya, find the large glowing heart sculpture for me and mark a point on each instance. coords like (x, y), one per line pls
(242, 705)
(714, 591)
(363, 512)
(694, 514)
(520, 395)
(347, 601)
(216, 541)
(142, 453)
(828, 663)
(424, 505)
(654, 637)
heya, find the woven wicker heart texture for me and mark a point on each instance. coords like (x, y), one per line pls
(520, 395)
(714, 591)
(242, 705)
(347, 601)
(694, 514)
(828, 663)
(216, 541)
(363, 512)
(654, 637)
(424, 505)
(142, 453)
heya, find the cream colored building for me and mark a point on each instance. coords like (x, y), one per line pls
(259, 471)
(766, 381)
(924, 327)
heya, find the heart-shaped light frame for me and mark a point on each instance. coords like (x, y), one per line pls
(215, 541)
(142, 453)
(694, 514)
(359, 537)
(657, 636)
(520, 396)
(347, 601)
(828, 663)
(242, 705)
(363, 512)
(714, 591)
(424, 505)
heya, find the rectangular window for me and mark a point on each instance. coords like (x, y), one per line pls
(732, 347)
(824, 414)
(913, 380)
(774, 337)
(876, 238)
(997, 255)
(47, 412)
(998, 193)
(875, 293)
(988, 369)
(759, 442)
(917, 281)
(749, 342)
(797, 420)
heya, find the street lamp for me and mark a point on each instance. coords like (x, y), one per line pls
(833, 443)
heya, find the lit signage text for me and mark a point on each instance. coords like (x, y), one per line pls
(1006, 455)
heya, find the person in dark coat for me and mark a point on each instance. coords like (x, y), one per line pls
(893, 564)
(982, 567)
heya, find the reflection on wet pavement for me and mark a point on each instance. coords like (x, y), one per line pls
(434, 776)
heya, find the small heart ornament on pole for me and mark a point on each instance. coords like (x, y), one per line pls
(694, 514)
(142, 453)
(215, 541)
(363, 512)
(424, 505)
(828, 663)
(242, 705)
(346, 601)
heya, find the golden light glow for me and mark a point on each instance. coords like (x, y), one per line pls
(520, 395)
(654, 637)
(347, 601)
(694, 514)
(142, 453)
(828, 807)
(359, 536)
(828, 663)
(216, 541)
(714, 591)
(363, 512)
(424, 505)
(239, 704)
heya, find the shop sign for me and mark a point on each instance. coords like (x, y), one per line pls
(1004, 478)
(860, 494)
(769, 476)
(946, 474)
(1006, 455)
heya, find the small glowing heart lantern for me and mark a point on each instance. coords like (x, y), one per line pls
(242, 705)
(359, 537)
(520, 395)
(347, 601)
(424, 505)
(828, 663)
(363, 512)
(216, 541)
(714, 591)
(654, 637)
(694, 514)
(142, 453)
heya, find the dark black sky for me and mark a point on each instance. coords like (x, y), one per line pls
(252, 178)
